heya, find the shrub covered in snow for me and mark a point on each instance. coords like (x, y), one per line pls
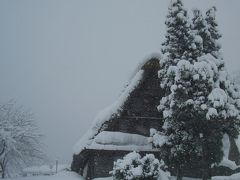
(135, 167)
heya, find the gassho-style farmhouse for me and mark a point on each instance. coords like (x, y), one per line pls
(125, 127)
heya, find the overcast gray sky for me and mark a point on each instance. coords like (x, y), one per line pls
(68, 59)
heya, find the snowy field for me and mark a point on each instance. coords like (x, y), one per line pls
(67, 175)
(60, 176)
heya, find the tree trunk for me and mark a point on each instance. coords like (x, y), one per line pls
(179, 174)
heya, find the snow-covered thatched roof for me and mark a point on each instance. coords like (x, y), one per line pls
(114, 109)
(108, 140)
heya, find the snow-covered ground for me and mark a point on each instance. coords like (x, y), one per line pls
(67, 175)
(44, 170)
(233, 177)
(60, 176)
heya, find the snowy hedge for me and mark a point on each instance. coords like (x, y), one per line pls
(135, 167)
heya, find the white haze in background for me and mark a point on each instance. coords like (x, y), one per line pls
(236, 76)
(68, 59)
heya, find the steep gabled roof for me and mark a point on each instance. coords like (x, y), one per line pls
(116, 108)
(107, 113)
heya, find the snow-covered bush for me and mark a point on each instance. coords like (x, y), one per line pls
(135, 167)
(130, 167)
(151, 166)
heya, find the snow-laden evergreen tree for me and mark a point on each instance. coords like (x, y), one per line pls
(197, 113)
(200, 102)
(211, 137)
(217, 109)
(179, 126)
(199, 27)
(224, 82)
(207, 28)
(176, 39)
(212, 44)
(205, 75)
(181, 43)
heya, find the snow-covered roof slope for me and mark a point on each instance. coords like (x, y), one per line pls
(107, 113)
(109, 140)
(143, 62)
(119, 138)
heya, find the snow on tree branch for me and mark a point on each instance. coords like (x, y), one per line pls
(20, 140)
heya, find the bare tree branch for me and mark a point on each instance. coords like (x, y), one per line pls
(20, 141)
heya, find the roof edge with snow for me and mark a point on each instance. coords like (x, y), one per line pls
(114, 109)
